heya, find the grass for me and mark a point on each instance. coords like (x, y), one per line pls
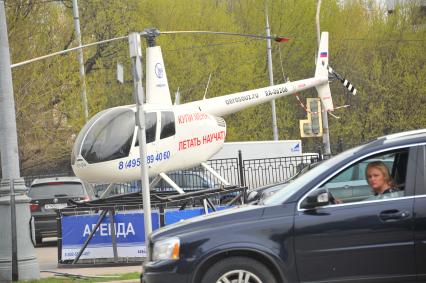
(127, 276)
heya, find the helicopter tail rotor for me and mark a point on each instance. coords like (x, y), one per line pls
(347, 84)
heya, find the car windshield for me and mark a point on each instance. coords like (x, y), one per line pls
(52, 190)
(283, 195)
(305, 169)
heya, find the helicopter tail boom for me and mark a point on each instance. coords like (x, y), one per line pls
(228, 104)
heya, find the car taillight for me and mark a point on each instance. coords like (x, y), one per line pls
(34, 207)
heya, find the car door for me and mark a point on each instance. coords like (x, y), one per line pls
(420, 215)
(362, 241)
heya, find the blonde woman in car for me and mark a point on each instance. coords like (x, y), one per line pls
(380, 181)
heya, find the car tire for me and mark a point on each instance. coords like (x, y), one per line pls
(39, 239)
(229, 270)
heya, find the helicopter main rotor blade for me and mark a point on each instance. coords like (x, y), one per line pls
(275, 38)
(152, 33)
(66, 51)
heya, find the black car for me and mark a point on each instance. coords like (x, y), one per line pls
(299, 235)
(49, 194)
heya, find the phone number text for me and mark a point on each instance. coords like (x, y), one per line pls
(136, 162)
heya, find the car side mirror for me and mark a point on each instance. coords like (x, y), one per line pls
(252, 195)
(316, 198)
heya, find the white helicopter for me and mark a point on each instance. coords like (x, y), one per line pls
(177, 136)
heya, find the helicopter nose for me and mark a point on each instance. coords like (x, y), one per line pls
(107, 136)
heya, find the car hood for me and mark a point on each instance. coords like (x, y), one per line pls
(219, 218)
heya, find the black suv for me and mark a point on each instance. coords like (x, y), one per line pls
(300, 235)
(49, 194)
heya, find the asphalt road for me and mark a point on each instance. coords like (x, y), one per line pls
(47, 257)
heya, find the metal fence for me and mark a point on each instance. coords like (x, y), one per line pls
(251, 173)
(261, 172)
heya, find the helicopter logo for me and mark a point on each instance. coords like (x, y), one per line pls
(177, 136)
(159, 70)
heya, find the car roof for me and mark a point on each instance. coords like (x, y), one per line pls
(394, 140)
(71, 179)
(406, 134)
(403, 137)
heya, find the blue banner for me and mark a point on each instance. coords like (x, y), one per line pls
(173, 216)
(129, 230)
(128, 227)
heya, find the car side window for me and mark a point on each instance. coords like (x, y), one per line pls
(353, 185)
(344, 176)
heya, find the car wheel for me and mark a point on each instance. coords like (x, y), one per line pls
(39, 239)
(238, 269)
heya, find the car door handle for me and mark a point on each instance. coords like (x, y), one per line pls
(393, 214)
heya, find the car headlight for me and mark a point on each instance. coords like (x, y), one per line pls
(166, 249)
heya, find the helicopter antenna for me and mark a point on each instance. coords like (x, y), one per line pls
(207, 86)
(177, 97)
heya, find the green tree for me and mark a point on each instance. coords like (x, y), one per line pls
(381, 54)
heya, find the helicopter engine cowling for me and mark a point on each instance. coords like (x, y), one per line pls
(178, 137)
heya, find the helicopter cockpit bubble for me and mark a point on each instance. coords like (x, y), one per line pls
(107, 136)
(77, 143)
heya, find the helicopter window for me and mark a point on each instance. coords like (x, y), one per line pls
(79, 140)
(150, 126)
(167, 124)
(110, 137)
